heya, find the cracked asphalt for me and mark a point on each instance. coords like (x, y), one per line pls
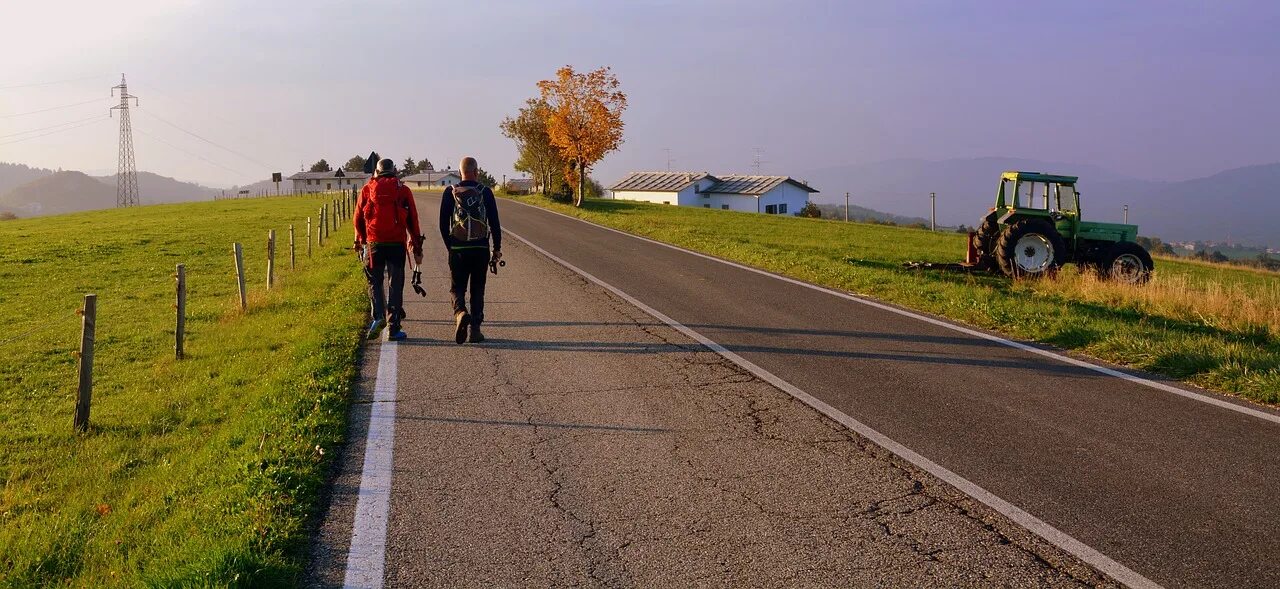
(586, 444)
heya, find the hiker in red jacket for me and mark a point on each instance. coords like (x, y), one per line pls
(386, 223)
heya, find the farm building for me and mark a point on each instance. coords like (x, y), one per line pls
(425, 179)
(775, 195)
(326, 181)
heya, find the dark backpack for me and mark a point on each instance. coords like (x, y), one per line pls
(470, 219)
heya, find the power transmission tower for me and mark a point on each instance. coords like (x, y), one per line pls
(756, 162)
(668, 150)
(127, 170)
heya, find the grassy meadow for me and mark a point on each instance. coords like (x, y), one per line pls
(1209, 325)
(198, 472)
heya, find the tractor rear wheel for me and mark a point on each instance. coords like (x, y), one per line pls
(1126, 262)
(984, 241)
(1030, 248)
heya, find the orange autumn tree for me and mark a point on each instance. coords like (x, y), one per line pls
(584, 119)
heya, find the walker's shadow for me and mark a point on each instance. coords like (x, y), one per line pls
(535, 424)
(810, 348)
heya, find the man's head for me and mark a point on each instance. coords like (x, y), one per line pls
(386, 167)
(469, 168)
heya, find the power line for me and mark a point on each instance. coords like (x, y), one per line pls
(31, 112)
(50, 127)
(84, 124)
(194, 155)
(253, 160)
(16, 86)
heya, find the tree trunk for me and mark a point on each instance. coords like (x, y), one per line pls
(582, 183)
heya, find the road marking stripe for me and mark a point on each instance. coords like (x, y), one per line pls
(1195, 396)
(1037, 526)
(368, 552)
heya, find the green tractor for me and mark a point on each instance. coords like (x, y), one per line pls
(1035, 228)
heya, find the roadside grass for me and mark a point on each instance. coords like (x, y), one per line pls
(199, 472)
(1212, 326)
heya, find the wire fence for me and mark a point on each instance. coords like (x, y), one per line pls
(336, 209)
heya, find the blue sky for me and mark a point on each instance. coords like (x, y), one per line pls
(1153, 89)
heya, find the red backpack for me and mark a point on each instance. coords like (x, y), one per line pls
(386, 212)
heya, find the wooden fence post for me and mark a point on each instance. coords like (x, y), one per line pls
(308, 237)
(84, 394)
(320, 227)
(291, 250)
(182, 311)
(244, 301)
(271, 258)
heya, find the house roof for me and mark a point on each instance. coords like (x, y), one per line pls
(431, 176)
(753, 185)
(331, 175)
(659, 181)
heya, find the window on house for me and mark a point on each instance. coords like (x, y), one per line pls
(706, 206)
(782, 209)
(328, 185)
(666, 202)
(725, 207)
(705, 194)
(771, 209)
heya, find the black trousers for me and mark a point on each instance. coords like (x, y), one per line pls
(387, 260)
(468, 267)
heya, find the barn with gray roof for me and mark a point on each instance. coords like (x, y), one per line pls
(780, 195)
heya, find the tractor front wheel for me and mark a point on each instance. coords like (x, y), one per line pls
(1126, 262)
(1030, 248)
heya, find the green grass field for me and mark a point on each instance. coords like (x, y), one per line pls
(1210, 325)
(199, 472)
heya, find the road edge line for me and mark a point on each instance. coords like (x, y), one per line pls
(1193, 395)
(1035, 525)
(367, 553)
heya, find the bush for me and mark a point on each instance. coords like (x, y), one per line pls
(7, 216)
(811, 211)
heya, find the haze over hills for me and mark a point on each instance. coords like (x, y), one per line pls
(1239, 205)
(69, 191)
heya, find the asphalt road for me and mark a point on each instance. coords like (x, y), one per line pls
(589, 444)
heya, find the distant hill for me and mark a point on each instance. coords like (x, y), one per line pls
(1238, 204)
(60, 192)
(65, 192)
(14, 175)
(857, 213)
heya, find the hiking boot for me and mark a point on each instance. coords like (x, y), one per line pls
(396, 335)
(375, 328)
(475, 337)
(461, 322)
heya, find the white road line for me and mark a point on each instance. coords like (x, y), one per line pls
(1053, 535)
(368, 553)
(1195, 396)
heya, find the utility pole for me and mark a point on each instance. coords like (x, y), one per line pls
(668, 150)
(127, 168)
(1126, 214)
(846, 207)
(933, 211)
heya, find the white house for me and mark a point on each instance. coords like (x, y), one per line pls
(775, 195)
(326, 181)
(425, 179)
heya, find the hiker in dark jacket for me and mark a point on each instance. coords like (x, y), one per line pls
(386, 224)
(468, 218)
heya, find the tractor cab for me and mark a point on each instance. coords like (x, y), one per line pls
(1036, 194)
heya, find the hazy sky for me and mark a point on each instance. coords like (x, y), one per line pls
(1157, 89)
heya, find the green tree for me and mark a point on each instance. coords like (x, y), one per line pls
(584, 119)
(7, 216)
(810, 210)
(485, 178)
(1217, 257)
(355, 164)
(321, 166)
(537, 155)
(409, 167)
(425, 166)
